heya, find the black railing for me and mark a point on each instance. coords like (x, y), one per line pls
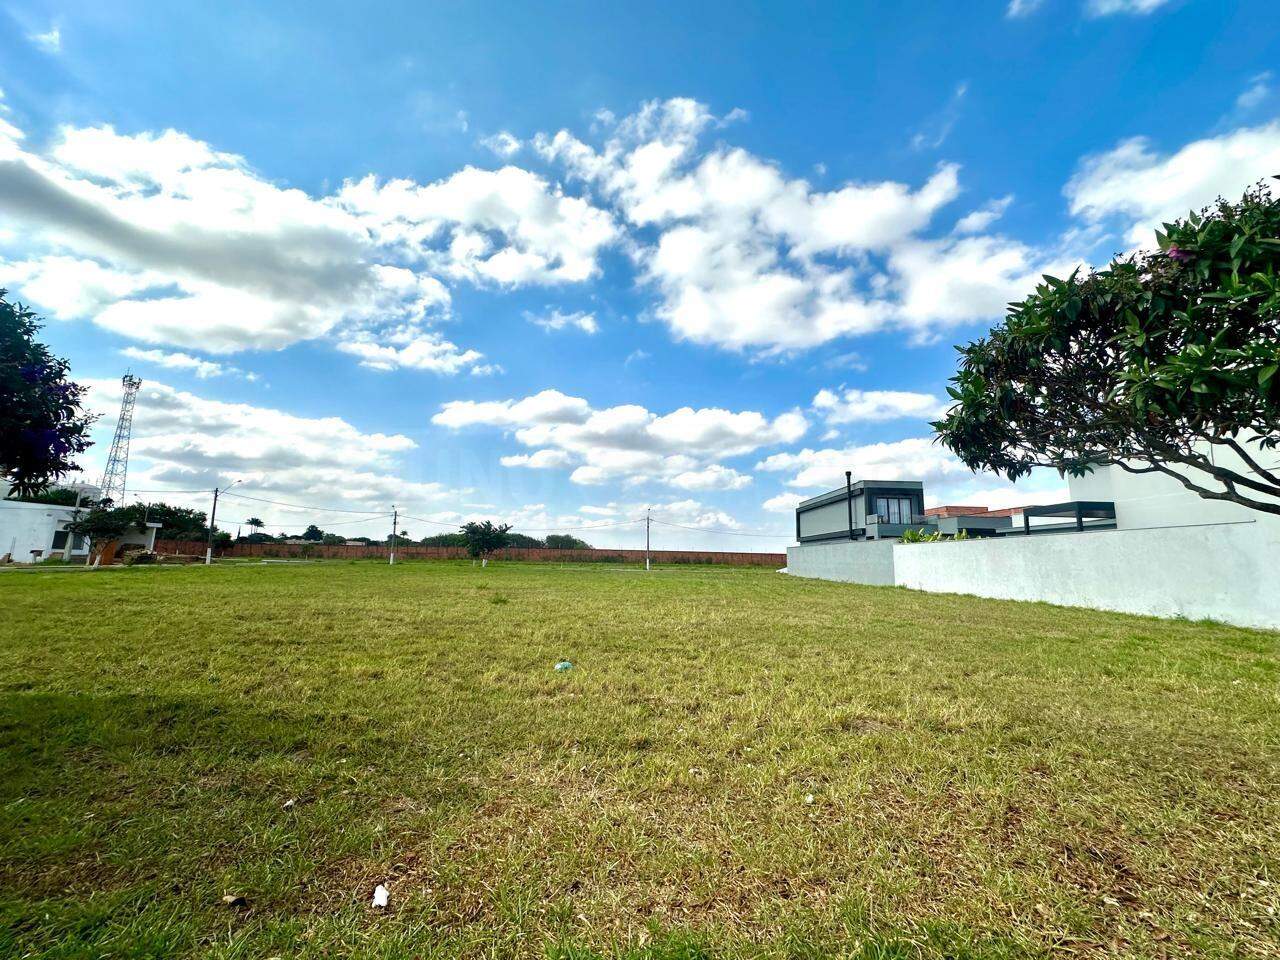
(916, 519)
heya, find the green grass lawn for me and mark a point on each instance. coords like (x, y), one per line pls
(740, 764)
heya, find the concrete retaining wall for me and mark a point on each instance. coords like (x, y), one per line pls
(1222, 571)
(849, 561)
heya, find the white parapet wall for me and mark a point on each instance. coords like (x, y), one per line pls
(1219, 571)
(849, 561)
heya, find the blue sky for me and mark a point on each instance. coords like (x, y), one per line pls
(556, 264)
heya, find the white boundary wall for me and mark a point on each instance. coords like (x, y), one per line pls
(848, 561)
(1222, 571)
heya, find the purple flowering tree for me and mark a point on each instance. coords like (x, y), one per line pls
(42, 424)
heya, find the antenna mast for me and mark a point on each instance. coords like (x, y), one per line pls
(118, 463)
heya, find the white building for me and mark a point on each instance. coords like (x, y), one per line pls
(1164, 550)
(31, 532)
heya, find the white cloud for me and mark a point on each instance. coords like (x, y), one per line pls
(746, 259)
(182, 441)
(203, 369)
(546, 236)
(714, 477)
(782, 503)
(627, 443)
(504, 144)
(960, 280)
(163, 239)
(1106, 8)
(49, 41)
(1256, 93)
(555, 320)
(912, 459)
(414, 349)
(861, 406)
(978, 220)
(937, 128)
(1022, 8)
(1143, 188)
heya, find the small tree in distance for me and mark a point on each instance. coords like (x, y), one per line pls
(1151, 364)
(484, 538)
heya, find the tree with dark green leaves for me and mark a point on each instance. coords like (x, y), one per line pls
(58, 496)
(176, 523)
(42, 424)
(313, 533)
(1159, 363)
(483, 538)
(562, 541)
(444, 540)
(102, 524)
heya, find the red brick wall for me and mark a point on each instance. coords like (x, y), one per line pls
(954, 511)
(297, 551)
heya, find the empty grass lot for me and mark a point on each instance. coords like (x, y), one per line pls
(740, 764)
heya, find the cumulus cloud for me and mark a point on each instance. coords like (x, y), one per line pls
(556, 320)
(782, 503)
(164, 239)
(911, 459)
(978, 220)
(504, 144)
(1142, 188)
(627, 443)
(414, 349)
(203, 369)
(508, 227)
(745, 258)
(182, 441)
(864, 406)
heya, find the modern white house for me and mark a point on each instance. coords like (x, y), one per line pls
(32, 532)
(1137, 543)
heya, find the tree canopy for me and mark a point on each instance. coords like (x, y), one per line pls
(483, 538)
(42, 425)
(1159, 363)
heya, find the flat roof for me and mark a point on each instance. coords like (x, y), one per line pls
(858, 487)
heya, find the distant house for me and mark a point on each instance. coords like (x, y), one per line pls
(1135, 542)
(32, 532)
(885, 510)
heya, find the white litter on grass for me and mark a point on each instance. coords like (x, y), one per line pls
(809, 798)
(381, 896)
(783, 570)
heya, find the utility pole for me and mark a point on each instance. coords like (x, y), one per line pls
(647, 511)
(213, 516)
(395, 522)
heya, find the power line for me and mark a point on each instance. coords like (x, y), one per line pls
(729, 533)
(291, 526)
(298, 506)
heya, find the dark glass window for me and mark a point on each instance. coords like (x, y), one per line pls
(893, 509)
